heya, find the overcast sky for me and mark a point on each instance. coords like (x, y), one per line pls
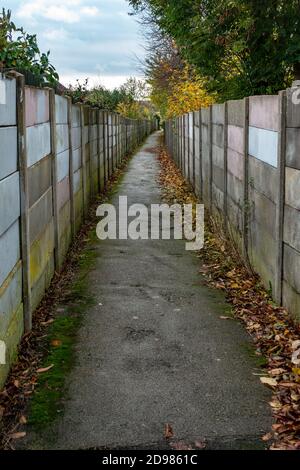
(87, 38)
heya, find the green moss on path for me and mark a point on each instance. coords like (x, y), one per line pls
(47, 401)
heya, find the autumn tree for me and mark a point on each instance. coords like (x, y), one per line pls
(242, 47)
(176, 87)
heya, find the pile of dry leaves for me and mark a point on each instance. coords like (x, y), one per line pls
(274, 333)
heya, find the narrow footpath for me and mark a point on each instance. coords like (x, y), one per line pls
(154, 350)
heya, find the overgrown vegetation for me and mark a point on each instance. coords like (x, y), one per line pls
(240, 47)
(131, 99)
(19, 51)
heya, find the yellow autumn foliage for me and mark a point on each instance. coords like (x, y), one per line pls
(179, 91)
(133, 110)
(187, 93)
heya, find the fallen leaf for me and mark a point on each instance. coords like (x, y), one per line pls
(56, 343)
(225, 318)
(234, 285)
(200, 444)
(168, 431)
(276, 427)
(267, 437)
(268, 381)
(296, 357)
(295, 345)
(46, 323)
(275, 404)
(288, 384)
(17, 435)
(231, 274)
(275, 372)
(44, 369)
(23, 420)
(295, 396)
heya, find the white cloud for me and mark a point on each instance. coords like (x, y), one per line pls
(89, 11)
(56, 34)
(55, 11)
(109, 81)
(61, 13)
(86, 37)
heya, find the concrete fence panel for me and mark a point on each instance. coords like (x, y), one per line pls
(40, 191)
(242, 158)
(55, 156)
(11, 300)
(236, 162)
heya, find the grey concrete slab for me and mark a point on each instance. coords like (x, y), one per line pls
(236, 113)
(154, 350)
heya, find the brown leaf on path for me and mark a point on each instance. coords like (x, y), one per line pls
(168, 433)
(295, 345)
(276, 372)
(267, 437)
(200, 444)
(17, 435)
(46, 323)
(23, 420)
(44, 369)
(288, 384)
(269, 381)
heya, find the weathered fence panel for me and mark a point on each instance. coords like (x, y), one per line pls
(291, 225)
(246, 169)
(11, 300)
(54, 158)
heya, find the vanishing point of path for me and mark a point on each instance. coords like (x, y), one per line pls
(156, 351)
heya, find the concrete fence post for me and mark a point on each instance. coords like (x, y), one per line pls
(225, 133)
(246, 208)
(210, 151)
(91, 169)
(104, 148)
(113, 136)
(22, 165)
(71, 167)
(54, 176)
(280, 195)
(193, 150)
(83, 160)
(189, 123)
(119, 140)
(200, 157)
(176, 140)
(184, 145)
(181, 143)
(98, 150)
